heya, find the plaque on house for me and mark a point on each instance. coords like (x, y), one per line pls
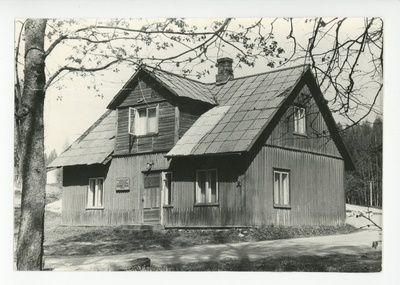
(122, 184)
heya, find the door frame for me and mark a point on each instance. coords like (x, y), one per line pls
(143, 196)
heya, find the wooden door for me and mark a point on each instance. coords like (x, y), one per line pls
(151, 198)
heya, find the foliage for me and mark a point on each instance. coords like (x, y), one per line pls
(364, 142)
(346, 54)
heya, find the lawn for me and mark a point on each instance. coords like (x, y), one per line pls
(364, 262)
(63, 241)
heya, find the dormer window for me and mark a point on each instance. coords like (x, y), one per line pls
(299, 120)
(143, 121)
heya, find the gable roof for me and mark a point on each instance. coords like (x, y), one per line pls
(93, 146)
(253, 101)
(244, 108)
(178, 85)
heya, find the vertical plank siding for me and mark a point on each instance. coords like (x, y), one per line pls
(186, 121)
(245, 182)
(316, 191)
(229, 211)
(120, 207)
(164, 140)
(316, 188)
(317, 138)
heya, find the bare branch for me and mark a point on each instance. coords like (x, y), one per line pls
(81, 69)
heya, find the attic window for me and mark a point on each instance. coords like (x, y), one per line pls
(299, 120)
(143, 121)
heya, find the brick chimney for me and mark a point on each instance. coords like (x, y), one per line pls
(225, 71)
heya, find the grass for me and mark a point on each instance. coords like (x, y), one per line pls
(86, 241)
(367, 262)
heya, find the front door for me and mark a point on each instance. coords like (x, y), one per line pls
(151, 198)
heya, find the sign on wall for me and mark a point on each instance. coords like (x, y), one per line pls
(122, 184)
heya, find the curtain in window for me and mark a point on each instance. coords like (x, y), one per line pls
(201, 187)
(142, 122)
(95, 192)
(281, 188)
(152, 120)
(212, 186)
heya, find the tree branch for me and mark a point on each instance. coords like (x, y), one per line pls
(77, 69)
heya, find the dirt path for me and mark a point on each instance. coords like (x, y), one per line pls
(356, 243)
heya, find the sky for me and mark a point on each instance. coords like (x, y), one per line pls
(72, 105)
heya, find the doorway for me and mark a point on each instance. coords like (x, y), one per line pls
(151, 198)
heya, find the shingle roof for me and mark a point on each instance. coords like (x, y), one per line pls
(184, 87)
(178, 85)
(189, 143)
(252, 102)
(94, 146)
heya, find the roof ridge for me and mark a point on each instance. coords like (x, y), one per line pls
(146, 67)
(272, 71)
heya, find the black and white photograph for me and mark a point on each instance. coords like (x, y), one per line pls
(199, 144)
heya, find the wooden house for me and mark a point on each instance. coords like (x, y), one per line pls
(251, 151)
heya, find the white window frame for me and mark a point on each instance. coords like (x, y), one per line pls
(299, 120)
(135, 123)
(94, 200)
(282, 193)
(208, 188)
(168, 192)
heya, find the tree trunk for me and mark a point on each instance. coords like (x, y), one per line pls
(30, 238)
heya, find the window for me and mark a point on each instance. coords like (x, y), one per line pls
(299, 120)
(281, 188)
(95, 193)
(168, 189)
(206, 187)
(143, 121)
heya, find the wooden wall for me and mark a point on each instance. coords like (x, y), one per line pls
(186, 120)
(120, 207)
(172, 123)
(164, 140)
(317, 138)
(316, 188)
(184, 213)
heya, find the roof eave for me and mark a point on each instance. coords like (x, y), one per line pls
(205, 154)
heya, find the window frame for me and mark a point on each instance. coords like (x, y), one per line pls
(278, 194)
(302, 121)
(135, 122)
(168, 191)
(95, 205)
(208, 190)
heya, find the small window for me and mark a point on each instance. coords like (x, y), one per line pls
(143, 121)
(168, 189)
(299, 120)
(281, 189)
(95, 197)
(206, 187)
